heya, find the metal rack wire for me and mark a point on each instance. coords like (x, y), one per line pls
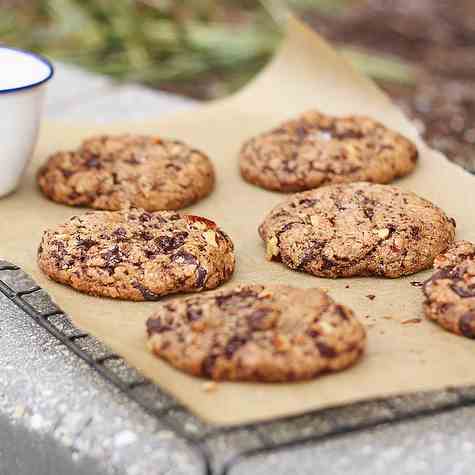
(170, 414)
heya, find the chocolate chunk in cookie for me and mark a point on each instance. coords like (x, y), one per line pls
(357, 229)
(316, 149)
(450, 292)
(257, 333)
(112, 172)
(137, 255)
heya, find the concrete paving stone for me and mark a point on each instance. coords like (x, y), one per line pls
(125, 103)
(71, 84)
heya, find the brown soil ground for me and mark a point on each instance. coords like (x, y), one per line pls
(439, 37)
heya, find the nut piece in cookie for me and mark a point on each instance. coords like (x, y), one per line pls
(356, 229)
(450, 292)
(315, 149)
(266, 333)
(112, 172)
(137, 255)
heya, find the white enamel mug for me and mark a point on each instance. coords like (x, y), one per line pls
(23, 78)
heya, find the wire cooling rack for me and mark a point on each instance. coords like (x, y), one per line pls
(223, 448)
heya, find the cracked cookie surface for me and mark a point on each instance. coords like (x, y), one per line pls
(450, 292)
(357, 229)
(315, 149)
(137, 255)
(255, 332)
(112, 172)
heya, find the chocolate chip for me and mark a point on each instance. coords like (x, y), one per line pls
(170, 243)
(115, 178)
(328, 263)
(256, 319)
(155, 325)
(311, 253)
(463, 292)
(301, 132)
(286, 227)
(313, 333)
(193, 314)
(467, 324)
(415, 233)
(307, 202)
(369, 213)
(325, 350)
(439, 275)
(147, 294)
(173, 166)
(86, 243)
(185, 257)
(112, 259)
(146, 236)
(73, 195)
(60, 250)
(145, 217)
(392, 228)
(235, 297)
(341, 311)
(151, 253)
(120, 233)
(347, 134)
(414, 156)
(93, 163)
(132, 161)
(201, 276)
(233, 345)
(208, 364)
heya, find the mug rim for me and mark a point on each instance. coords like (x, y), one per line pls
(36, 56)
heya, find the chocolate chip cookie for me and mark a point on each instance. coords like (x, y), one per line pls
(450, 292)
(257, 333)
(316, 149)
(357, 229)
(137, 255)
(111, 172)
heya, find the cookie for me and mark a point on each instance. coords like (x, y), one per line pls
(265, 333)
(316, 149)
(450, 292)
(137, 255)
(112, 172)
(357, 229)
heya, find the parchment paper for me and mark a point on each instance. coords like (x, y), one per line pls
(401, 358)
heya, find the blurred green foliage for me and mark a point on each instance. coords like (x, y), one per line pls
(204, 48)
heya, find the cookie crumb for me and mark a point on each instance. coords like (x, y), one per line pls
(416, 283)
(371, 296)
(347, 286)
(411, 320)
(210, 387)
